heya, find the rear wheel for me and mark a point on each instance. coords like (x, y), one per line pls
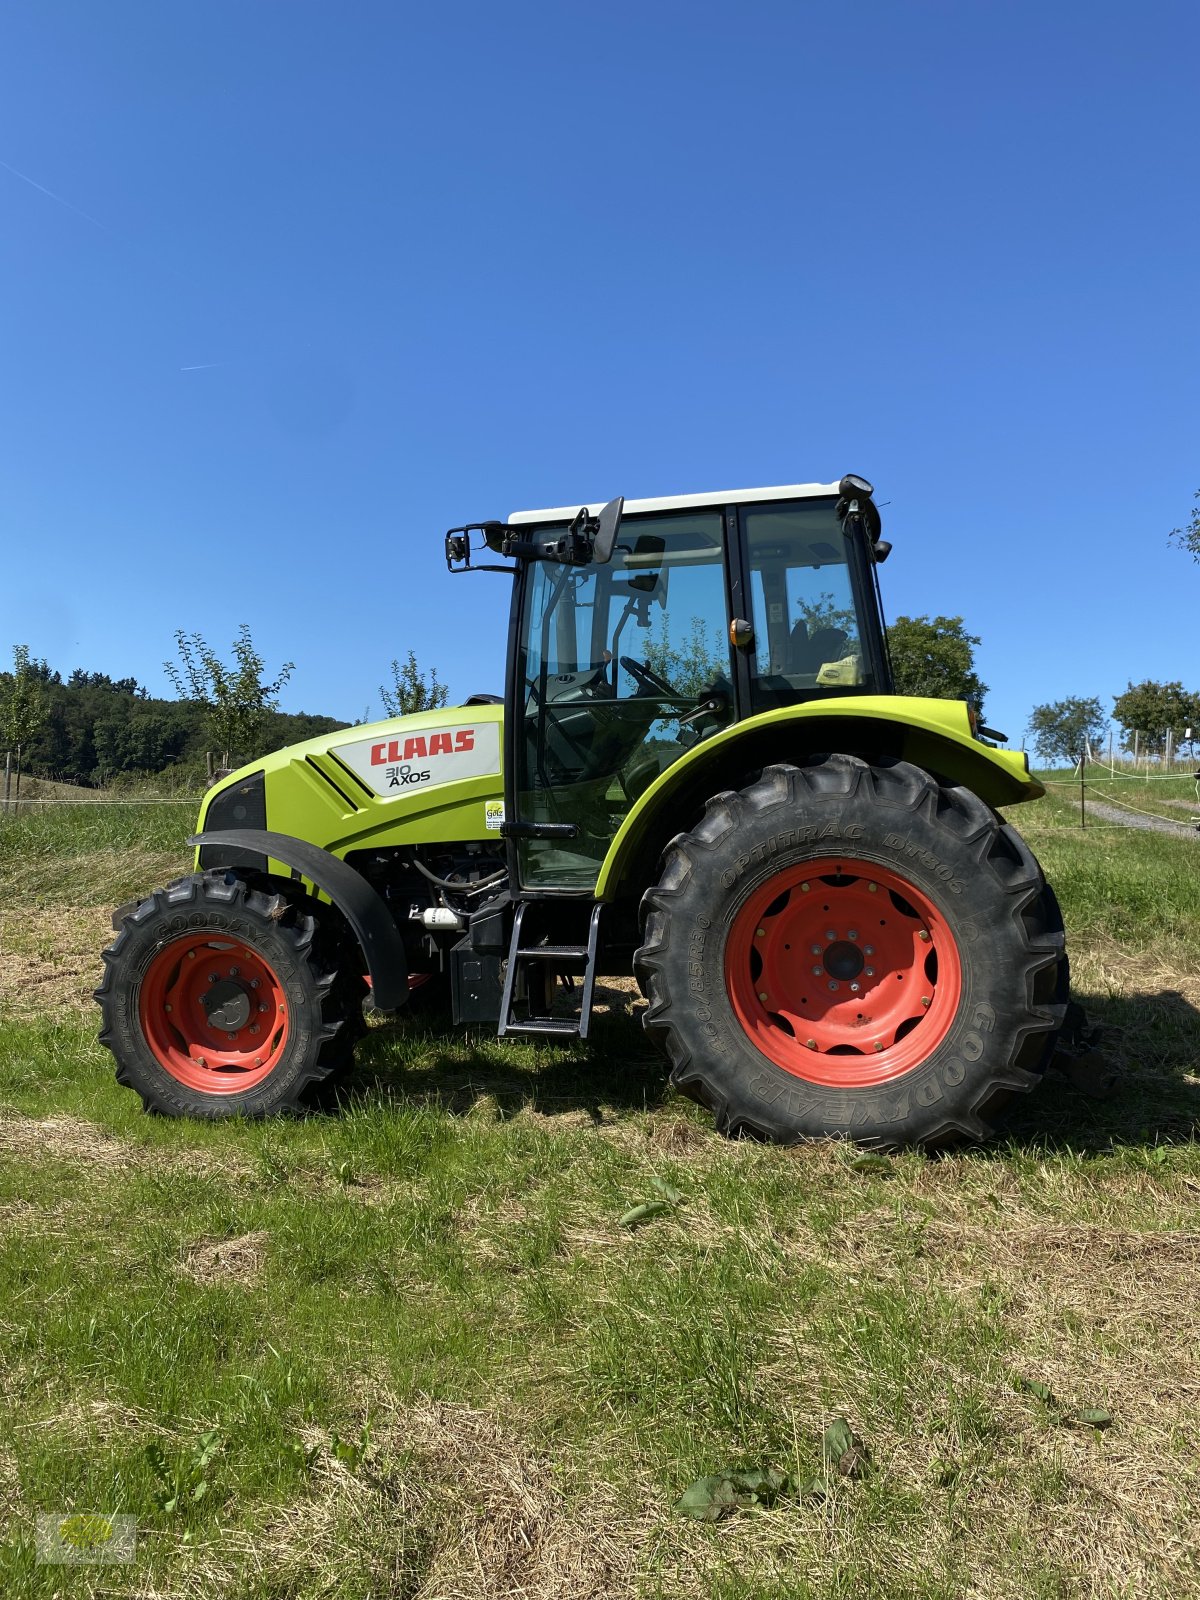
(852, 949)
(215, 1003)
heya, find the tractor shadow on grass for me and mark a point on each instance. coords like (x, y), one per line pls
(419, 1060)
(1152, 1042)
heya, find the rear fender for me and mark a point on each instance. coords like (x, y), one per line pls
(933, 734)
(364, 909)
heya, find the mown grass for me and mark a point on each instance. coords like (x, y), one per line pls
(437, 1365)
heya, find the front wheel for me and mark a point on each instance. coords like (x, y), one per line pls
(855, 950)
(216, 1003)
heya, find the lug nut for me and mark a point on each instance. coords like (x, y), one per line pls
(879, 1044)
(832, 984)
(213, 977)
(262, 1006)
(803, 888)
(925, 1000)
(853, 934)
(201, 1062)
(924, 936)
(816, 972)
(254, 983)
(870, 971)
(233, 972)
(763, 998)
(830, 933)
(166, 1008)
(853, 988)
(258, 1061)
(816, 949)
(761, 933)
(868, 949)
(810, 1044)
(254, 1027)
(872, 888)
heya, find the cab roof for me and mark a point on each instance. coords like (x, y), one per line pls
(681, 502)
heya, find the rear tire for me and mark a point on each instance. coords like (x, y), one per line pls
(215, 1003)
(853, 950)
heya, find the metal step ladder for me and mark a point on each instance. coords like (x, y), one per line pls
(565, 961)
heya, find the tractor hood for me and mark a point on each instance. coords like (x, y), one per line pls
(424, 779)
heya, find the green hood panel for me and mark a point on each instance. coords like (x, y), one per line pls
(933, 734)
(426, 779)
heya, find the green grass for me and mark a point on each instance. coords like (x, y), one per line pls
(435, 1364)
(84, 854)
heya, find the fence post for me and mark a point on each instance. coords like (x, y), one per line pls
(7, 776)
(1082, 792)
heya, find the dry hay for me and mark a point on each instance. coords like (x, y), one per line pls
(72, 1139)
(446, 1505)
(240, 1260)
(50, 958)
(90, 1149)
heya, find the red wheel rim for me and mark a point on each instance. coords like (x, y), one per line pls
(213, 1013)
(842, 972)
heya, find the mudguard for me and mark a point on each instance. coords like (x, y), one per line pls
(362, 907)
(935, 735)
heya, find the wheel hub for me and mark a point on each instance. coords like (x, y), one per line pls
(227, 1005)
(843, 960)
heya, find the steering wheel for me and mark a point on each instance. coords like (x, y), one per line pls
(648, 681)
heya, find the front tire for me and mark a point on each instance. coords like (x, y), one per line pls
(853, 950)
(215, 1003)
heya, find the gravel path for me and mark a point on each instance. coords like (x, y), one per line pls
(1136, 819)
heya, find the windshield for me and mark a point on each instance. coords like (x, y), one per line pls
(616, 661)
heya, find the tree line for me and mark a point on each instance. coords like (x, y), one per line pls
(89, 728)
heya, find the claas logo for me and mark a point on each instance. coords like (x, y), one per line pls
(420, 746)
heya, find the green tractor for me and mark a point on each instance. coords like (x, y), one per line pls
(699, 774)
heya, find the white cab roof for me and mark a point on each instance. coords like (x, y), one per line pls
(681, 502)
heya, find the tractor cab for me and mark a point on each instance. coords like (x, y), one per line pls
(641, 631)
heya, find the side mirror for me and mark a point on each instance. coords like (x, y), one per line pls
(494, 535)
(607, 524)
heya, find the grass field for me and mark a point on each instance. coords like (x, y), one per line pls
(406, 1349)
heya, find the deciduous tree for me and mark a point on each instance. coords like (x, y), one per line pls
(935, 656)
(236, 699)
(1064, 729)
(412, 689)
(1152, 710)
(22, 703)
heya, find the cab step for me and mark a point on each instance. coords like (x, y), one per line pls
(530, 960)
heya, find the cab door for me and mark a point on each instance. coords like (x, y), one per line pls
(609, 661)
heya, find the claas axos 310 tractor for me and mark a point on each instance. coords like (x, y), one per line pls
(699, 774)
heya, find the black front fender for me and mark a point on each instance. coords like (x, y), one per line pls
(362, 907)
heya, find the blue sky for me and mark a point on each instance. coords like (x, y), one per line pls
(433, 264)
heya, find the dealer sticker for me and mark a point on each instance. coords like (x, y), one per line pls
(493, 815)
